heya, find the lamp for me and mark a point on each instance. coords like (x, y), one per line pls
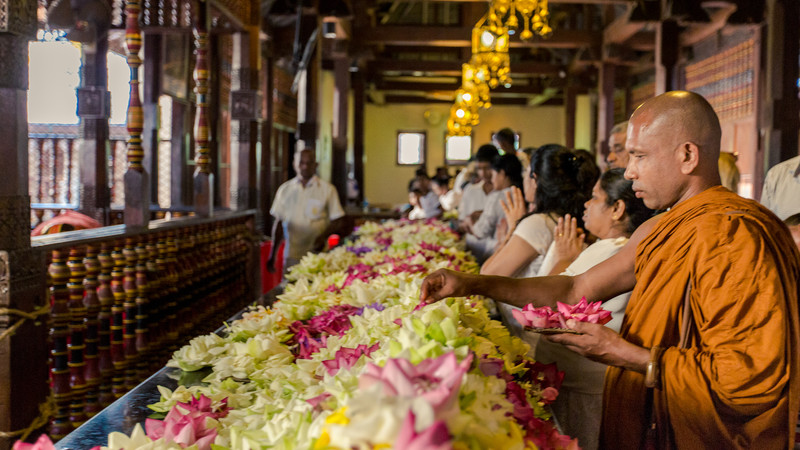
(490, 53)
(535, 17)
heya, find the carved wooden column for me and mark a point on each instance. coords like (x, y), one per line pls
(92, 373)
(203, 178)
(23, 371)
(137, 181)
(244, 115)
(569, 121)
(93, 110)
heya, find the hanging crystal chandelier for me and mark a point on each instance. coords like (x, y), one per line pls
(535, 17)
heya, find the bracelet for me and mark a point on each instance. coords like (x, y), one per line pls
(652, 378)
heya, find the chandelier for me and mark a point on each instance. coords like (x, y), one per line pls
(470, 98)
(535, 17)
(490, 54)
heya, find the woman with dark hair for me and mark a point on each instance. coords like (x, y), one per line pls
(506, 173)
(611, 214)
(557, 182)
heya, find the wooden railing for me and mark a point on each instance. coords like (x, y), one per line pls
(122, 301)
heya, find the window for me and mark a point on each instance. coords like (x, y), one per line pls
(457, 149)
(410, 148)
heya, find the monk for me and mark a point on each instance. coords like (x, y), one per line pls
(735, 383)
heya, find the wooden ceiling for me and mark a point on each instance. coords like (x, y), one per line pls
(412, 50)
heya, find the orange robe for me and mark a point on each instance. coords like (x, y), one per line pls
(738, 383)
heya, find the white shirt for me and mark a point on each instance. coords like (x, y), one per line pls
(305, 213)
(430, 204)
(582, 374)
(537, 231)
(472, 200)
(781, 193)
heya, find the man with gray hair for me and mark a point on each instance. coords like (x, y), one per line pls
(617, 156)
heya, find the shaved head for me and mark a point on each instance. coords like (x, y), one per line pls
(683, 116)
(674, 141)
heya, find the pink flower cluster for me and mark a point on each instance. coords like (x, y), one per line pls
(437, 380)
(310, 336)
(186, 424)
(545, 317)
(346, 358)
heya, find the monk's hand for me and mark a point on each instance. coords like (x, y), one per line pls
(602, 344)
(442, 284)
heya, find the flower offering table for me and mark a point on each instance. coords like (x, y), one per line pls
(347, 357)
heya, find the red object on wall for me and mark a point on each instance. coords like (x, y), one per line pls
(270, 280)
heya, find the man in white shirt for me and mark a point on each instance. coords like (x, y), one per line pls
(306, 211)
(474, 197)
(781, 193)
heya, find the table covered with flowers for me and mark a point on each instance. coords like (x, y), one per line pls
(347, 357)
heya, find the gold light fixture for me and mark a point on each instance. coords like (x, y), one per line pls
(535, 17)
(490, 53)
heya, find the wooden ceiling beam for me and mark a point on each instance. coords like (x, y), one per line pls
(428, 87)
(448, 68)
(395, 35)
(552, 2)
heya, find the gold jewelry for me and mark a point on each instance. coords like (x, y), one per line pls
(560, 234)
(652, 378)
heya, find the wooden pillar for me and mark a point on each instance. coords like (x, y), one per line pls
(203, 181)
(151, 91)
(23, 354)
(244, 112)
(667, 56)
(569, 109)
(780, 114)
(341, 111)
(93, 109)
(137, 180)
(605, 107)
(358, 133)
(308, 89)
(265, 181)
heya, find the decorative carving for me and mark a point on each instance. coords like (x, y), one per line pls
(133, 40)
(201, 129)
(244, 105)
(18, 17)
(15, 213)
(14, 54)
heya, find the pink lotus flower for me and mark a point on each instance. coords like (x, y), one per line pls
(43, 443)
(545, 317)
(186, 424)
(346, 358)
(435, 437)
(315, 401)
(437, 380)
